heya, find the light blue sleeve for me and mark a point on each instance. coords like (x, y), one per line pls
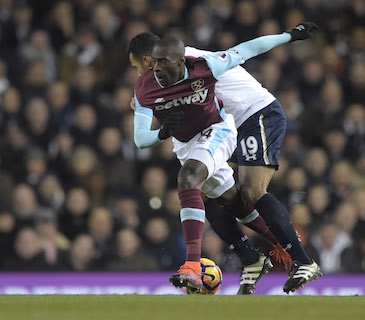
(144, 137)
(253, 48)
(221, 61)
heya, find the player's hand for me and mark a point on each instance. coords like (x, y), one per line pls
(303, 31)
(170, 125)
(133, 104)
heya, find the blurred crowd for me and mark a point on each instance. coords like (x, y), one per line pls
(76, 193)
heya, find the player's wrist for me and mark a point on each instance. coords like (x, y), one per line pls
(163, 134)
(291, 36)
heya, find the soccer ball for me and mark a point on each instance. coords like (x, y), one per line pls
(211, 277)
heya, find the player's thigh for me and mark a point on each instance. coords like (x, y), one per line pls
(213, 146)
(255, 179)
(260, 138)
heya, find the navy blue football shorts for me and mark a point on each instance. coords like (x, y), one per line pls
(260, 137)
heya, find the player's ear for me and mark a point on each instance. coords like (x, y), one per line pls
(147, 61)
(182, 60)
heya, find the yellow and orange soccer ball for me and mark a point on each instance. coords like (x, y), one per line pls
(211, 277)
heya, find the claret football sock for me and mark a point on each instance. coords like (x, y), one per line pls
(231, 233)
(277, 219)
(192, 217)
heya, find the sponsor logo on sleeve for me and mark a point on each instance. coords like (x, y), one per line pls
(222, 56)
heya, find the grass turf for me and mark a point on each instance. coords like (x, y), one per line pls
(171, 307)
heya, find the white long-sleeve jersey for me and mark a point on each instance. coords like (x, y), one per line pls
(241, 93)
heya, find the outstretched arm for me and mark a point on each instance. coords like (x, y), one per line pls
(263, 44)
(220, 62)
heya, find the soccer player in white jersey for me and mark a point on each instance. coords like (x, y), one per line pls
(261, 124)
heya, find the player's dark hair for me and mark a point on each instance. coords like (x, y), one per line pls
(142, 44)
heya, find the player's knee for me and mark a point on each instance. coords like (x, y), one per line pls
(190, 176)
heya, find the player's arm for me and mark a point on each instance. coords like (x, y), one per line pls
(144, 137)
(155, 123)
(220, 62)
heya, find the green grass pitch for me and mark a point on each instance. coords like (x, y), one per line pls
(171, 307)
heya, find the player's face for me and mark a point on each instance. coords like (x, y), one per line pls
(141, 66)
(168, 69)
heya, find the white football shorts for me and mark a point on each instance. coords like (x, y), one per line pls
(213, 147)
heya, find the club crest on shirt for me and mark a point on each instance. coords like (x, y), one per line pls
(197, 84)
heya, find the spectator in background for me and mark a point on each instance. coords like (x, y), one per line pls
(332, 249)
(296, 185)
(126, 212)
(73, 219)
(164, 157)
(292, 147)
(354, 129)
(317, 164)
(13, 151)
(172, 206)
(335, 141)
(310, 83)
(10, 109)
(85, 127)
(301, 218)
(28, 253)
(341, 181)
(50, 192)
(83, 162)
(131, 254)
(116, 107)
(245, 21)
(38, 48)
(130, 150)
(346, 217)
(161, 244)
(52, 242)
(355, 86)
(61, 107)
(318, 201)
(7, 235)
(358, 199)
(35, 166)
(4, 81)
(25, 204)
(201, 26)
(154, 188)
(119, 173)
(60, 24)
(82, 255)
(96, 186)
(106, 24)
(34, 81)
(39, 129)
(85, 88)
(84, 50)
(100, 228)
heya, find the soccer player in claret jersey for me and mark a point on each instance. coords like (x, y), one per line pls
(205, 129)
(253, 264)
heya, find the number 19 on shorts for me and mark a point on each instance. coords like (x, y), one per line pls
(249, 148)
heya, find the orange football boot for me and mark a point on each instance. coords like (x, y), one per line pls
(189, 275)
